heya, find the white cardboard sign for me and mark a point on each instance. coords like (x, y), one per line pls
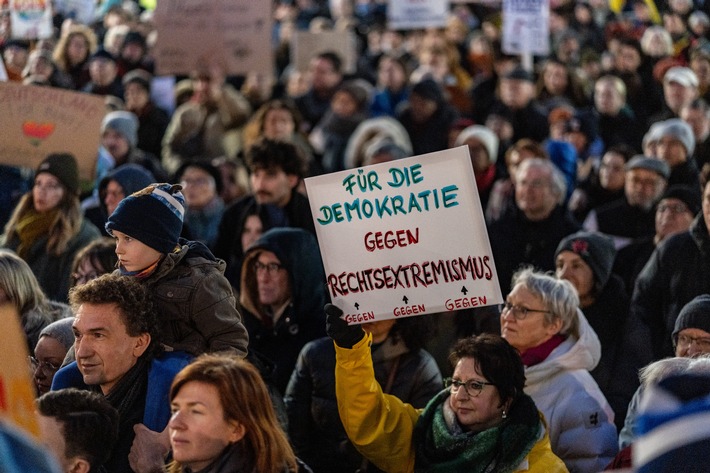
(31, 19)
(417, 14)
(403, 238)
(526, 27)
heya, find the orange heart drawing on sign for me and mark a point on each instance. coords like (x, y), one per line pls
(37, 132)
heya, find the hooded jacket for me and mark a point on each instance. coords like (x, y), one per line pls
(381, 426)
(198, 311)
(304, 318)
(581, 422)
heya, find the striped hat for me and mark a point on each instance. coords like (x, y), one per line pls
(152, 216)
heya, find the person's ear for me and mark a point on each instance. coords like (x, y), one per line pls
(142, 342)
(554, 327)
(237, 431)
(78, 465)
(292, 180)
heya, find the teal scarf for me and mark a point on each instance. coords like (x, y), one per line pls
(442, 446)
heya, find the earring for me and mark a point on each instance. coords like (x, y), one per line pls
(505, 415)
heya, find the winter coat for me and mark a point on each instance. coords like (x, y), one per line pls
(304, 319)
(515, 241)
(621, 221)
(581, 422)
(381, 426)
(315, 429)
(678, 271)
(54, 272)
(229, 243)
(197, 309)
(235, 459)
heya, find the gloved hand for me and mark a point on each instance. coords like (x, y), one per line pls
(344, 335)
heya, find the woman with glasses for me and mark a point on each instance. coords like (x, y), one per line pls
(19, 288)
(54, 342)
(542, 320)
(47, 227)
(483, 421)
(95, 259)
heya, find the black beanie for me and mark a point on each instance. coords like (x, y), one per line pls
(686, 194)
(596, 249)
(429, 90)
(152, 216)
(63, 166)
(694, 314)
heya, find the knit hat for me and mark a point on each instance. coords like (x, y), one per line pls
(520, 73)
(651, 164)
(482, 134)
(134, 37)
(101, 53)
(694, 314)
(130, 176)
(429, 90)
(682, 75)
(63, 166)
(152, 216)
(125, 123)
(680, 130)
(685, 194)
(359, 90)
(595, 249)
(140, 77)
(652, 134)
(61, 331)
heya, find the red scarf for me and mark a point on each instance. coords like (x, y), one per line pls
(484, 180)
(539, 353)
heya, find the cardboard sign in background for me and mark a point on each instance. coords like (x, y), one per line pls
(404, 238)
(526, 27)
(235, 34)
(17, 393)
(416, 14)
(36, 121)
(305, 45)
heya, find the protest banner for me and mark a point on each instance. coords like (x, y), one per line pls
(31, 19)
(17, 392)
(83, 11)
(195, 34)
(37, 121)
(404, 238)
(526, 27)
(416, 14)
(306, 45)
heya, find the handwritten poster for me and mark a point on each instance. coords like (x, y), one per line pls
(235, 34)
(416, 14)
(83, 11)
(17, 393)
(526, 27)
(31, 19)
(404, 238)
(305, 45)
(37, 121)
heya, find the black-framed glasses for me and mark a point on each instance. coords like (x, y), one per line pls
(270, 268)
(45, 366)
(472, 387)
(520, 312)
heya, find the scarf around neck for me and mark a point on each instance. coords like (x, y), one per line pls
(32, 226)
(441, 445)
(129, 389)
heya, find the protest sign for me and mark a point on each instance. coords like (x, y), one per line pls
(37, 121)
(416, 14)
(194, 34)
(31, 19)
(526, 27)
(83, 11)
(305, 45)
(404, 238)
(17, 393)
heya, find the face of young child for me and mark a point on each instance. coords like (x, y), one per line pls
(134, 255)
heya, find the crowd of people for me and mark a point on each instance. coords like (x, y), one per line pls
(175, 307)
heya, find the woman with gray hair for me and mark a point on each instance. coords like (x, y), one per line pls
(541, 319)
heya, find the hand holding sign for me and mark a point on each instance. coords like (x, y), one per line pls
(344, 335)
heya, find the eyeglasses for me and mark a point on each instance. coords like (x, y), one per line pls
(472, 387)
(520, 312)
(684, 341)
(45, 366)
(270, 268)
(672, 208)
(198, 182)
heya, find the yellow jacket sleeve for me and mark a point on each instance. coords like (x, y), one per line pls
(379, 425)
